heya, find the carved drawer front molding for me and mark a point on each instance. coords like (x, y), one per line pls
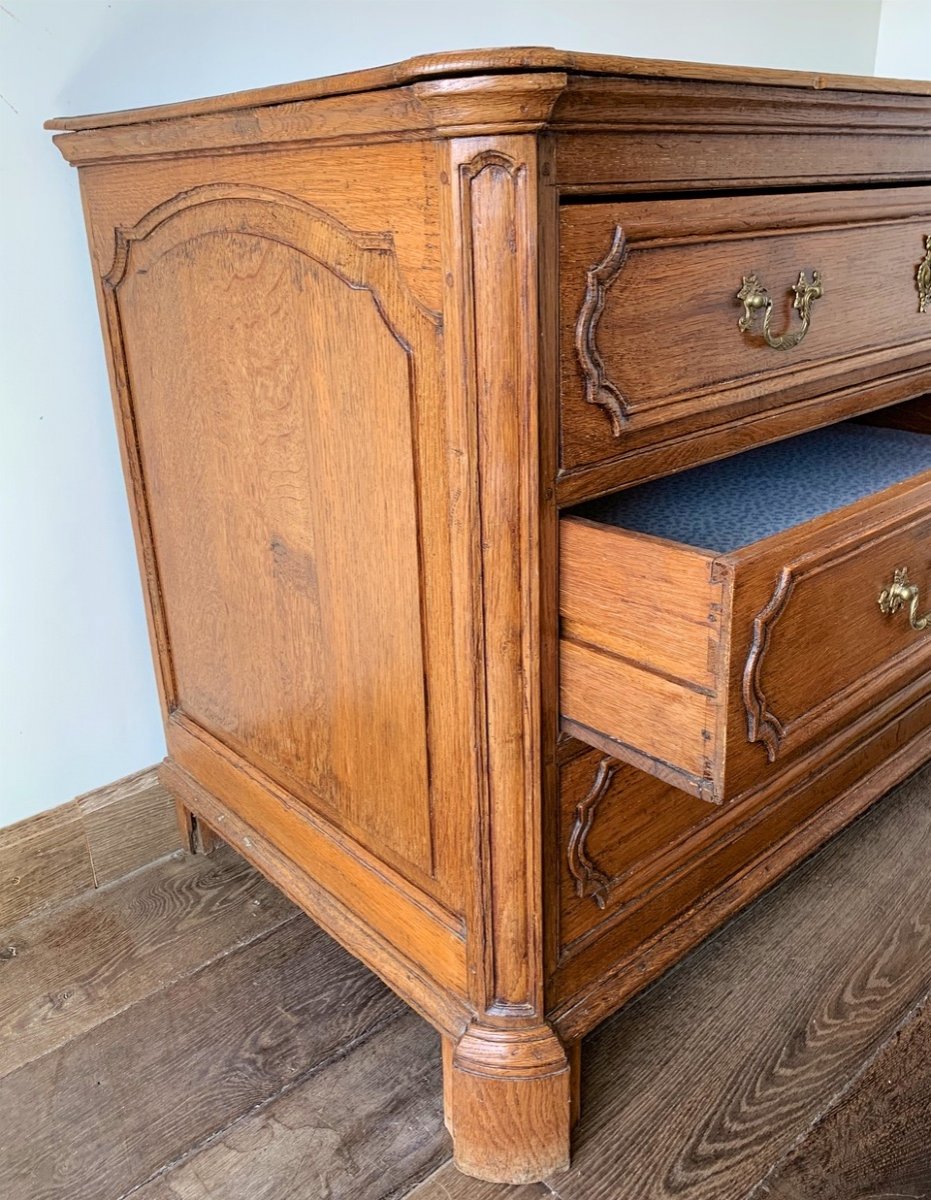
(598, 387)
(590, 880)
(656, 353)
(821, 649)
(763, 725)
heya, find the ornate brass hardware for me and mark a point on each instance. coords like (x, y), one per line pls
(923, 277)
(754, 297)
(899, 593)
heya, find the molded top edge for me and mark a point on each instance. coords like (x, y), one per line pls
(511, 59)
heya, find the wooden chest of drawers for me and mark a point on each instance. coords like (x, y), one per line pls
(508, 608)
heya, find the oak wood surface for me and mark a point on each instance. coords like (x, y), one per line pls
(678, 898)
(781, 670)
(430, 982)
(212, 1046)
(743, 433)
(43, 861)
(68, 971)
(283, 557)
(128, 824)
(877, 1140)
(364, 1126)
(668, 333)
(698, 1087)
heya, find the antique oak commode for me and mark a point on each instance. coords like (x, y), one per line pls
(396, 356)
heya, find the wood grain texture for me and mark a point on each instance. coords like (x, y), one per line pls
(858, 395)
(772, 1017)
(56, 855)
(416, 949)
(68, 971)
(207, 1048)
(362, 1127)
(876, 1141)
(641, 598)
(781, 672)
(354, 671)
(450, 1184)
(43, 861)
(128, 824)
(668, 334)
(687, 890)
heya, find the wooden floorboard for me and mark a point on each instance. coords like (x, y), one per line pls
(185, 1035)
(696, 1090)
(43, 861)
(66, 971)
(876, 1142)
(129, 824)
(101, 1114)
(362, 1128)
(449, 1184)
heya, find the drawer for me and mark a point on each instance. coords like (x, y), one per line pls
(651, 343)
(718, 623)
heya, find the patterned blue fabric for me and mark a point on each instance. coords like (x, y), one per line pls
(725, 505)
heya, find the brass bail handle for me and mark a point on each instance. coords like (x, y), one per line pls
(754, 297)
(899, 593)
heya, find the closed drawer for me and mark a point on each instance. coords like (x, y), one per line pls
(651, 347)
(717, 624)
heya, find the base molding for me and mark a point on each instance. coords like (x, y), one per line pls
(446, 1011)
(631, 972)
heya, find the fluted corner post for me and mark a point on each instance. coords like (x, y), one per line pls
(509, 1080)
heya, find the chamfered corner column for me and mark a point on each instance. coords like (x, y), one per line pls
(509, 1103)
(509, 1081)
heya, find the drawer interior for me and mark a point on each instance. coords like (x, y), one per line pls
(724, 506)
(717, 623)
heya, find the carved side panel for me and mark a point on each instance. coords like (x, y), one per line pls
(273, 369)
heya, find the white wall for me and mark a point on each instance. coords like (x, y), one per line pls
(903, 44)
(77, 698)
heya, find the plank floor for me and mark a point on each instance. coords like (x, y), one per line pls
(186, 1034)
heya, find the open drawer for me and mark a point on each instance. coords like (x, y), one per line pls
(718, 623)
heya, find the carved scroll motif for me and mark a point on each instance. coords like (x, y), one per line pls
(598, 387)
(589, 879)
(762, 724)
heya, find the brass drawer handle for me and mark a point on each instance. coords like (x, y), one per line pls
(755, 297)
(901, 592)
(923, 277)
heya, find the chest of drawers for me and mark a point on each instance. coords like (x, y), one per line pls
(531, 477)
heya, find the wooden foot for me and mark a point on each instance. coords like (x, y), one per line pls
(509, 1102)
(196, 837)
(449, 1050)
(574, 1054)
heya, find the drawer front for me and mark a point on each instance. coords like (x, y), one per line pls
(651, 346)
(713, 672)
(813, 648)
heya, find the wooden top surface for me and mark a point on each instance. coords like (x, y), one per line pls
(490, 62)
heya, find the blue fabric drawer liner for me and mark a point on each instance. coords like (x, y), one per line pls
(725, 505)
